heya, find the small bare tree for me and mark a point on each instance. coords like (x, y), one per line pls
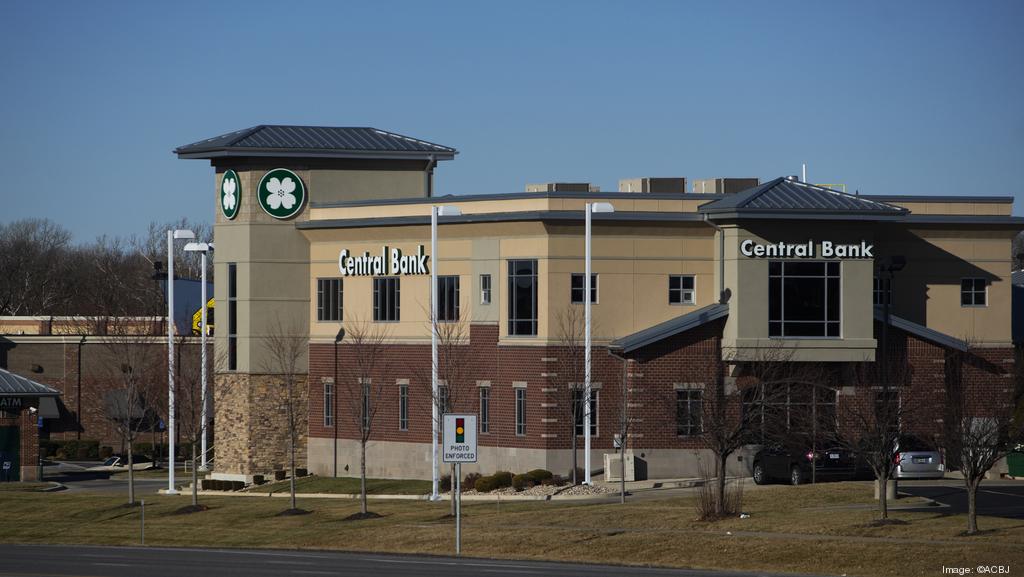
(363, 386)
(285, 349)
(624, 391)
(189, 397)
(567, 391)
(978, 435)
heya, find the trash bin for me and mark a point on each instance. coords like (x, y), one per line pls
(1015, 464)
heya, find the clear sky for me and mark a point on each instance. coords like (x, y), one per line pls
(887, 97)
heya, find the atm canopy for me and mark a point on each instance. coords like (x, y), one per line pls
(12, 385)
(786, 198)
(315, 141)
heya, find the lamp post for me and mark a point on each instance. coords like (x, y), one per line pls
(202, 248)
(334, 396)
(590, 209)
(172, 235)
(435, 211)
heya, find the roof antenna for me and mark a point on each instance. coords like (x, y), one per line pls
(803, 177)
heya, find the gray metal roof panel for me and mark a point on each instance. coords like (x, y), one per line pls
(314, 138)
(12, 385)
(521, 195)
(670, 328)
(782, 194)
(922, 331)
(542, 215)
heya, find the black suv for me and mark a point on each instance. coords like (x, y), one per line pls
(778, 462)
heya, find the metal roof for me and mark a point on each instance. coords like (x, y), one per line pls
(626, 196)
(921, 331)
(323, 141)
(528, 215)
(670, 328)
(12, 385)
(783, 195)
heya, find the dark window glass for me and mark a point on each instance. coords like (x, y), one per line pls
(576, 292)
(972, 292)
(485, 409)
(681, 289)
(448, 298)
(328, 404)
(578, 410)
(485, 289)
(522, 301)
(403, 407)
(329, 299)
(882, 291)
(366, 406)
(232, 316)
(520, 411)
(689, 412)
(386, 299)
(799, 409)
(804, 299)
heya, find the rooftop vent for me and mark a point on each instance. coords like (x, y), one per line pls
(724, 185)
(562, 187)
(653, 184)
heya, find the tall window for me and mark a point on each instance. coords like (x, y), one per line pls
(800, 409)
(689, 412)
(522, 297)
(443, 398)
(803, 299)
(681, 289)
(328, 403)
(485, 409)
(887, 409)
(578, 410)
(329, 299)
(972, 292)
(520, 412)
(485, 289)
(366, 404)
(403, 407)
(232, 316)
(448, 298)
(386, 299)
(882, 292)
(577, 288)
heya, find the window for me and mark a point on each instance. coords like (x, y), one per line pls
(328, 299)
(973, 292)
(681, 289)
(522, 297)
(578, 410)
(442, 397)
(576, 292)
(689, 412)
(803, 299)
(366, 405)
(403, 407)
(882, 293)
(448, 298)
(520, 412)
(887, 409)
(485, 289)
(485, 409)
(386, 294)
(328, 403)
(798, 409)
(232, 316)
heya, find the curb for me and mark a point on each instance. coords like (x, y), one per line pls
(480, 498)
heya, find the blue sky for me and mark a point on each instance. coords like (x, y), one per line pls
(886, 97)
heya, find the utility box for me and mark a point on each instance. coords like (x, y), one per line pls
(724, 185)
(613, 467)
(657, 185)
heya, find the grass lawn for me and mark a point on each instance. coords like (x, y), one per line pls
(314, 484)
(797, 529)
(13, 487)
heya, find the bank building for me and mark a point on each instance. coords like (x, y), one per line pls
(693, 285)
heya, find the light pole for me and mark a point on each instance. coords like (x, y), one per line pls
(172, 235)
(334, 396)
(590, 209)
(202, 248)
(435, 211)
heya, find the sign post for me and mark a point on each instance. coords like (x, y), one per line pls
(458, 446)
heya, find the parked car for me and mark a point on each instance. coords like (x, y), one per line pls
(916, 459)
(794, 464)
(120, 463)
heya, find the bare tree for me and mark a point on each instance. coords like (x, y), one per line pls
(978, 435)
(363, 386)
(286, 348)
(566, 393)
(624, 391)
(189, 401)
(32, 274)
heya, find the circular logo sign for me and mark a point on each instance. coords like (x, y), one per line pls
(281, 193)
(230, 194)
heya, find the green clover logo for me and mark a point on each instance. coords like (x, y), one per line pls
(281, 193)
(230, 194)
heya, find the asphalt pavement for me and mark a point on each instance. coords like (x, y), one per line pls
(996, 497)
(85, 561)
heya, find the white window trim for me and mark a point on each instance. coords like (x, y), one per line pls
(683, 303)
(596, 287)
(973, 306)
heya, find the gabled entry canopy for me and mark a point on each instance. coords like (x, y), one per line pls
(789, 199)
(12, 385)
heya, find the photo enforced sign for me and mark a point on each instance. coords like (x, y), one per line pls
(458, 439)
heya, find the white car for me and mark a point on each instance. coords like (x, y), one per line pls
(915, 459)
(120, 463)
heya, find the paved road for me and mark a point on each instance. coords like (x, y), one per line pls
(78, 561)
(73, 475)
(997, 498)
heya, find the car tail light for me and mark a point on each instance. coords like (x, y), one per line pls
(897, 459)
(810, 455)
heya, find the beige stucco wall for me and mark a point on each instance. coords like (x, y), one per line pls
(957, 208)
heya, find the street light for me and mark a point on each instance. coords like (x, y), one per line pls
(334, 396)
(435, 211)
(590, 209)
(202, 248)
(172, 235)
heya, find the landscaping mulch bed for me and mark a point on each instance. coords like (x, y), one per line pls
(191, 509)
(292, 512)
(363, 516)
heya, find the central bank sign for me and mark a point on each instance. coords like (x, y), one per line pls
(807, 249)
(389, 262)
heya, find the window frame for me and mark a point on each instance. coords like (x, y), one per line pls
(232, 332)
(485, 289)
(485, 410)
(387, 281)
(321, 293)
(681, 290)
(974, 292)
(328, 398)
(879, 294)
(443, 315)
(825, 322)
(403, 407)
(594, 291)
(579, 416)
(520, 412)
(695, 430)
(513, 318)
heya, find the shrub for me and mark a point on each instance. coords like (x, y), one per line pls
(106, 453)
(258, 480)
(237, 485)
(470, 481)
(279, 475)
(554, 480)
(538, 476)
(485, 484)
(301, 472)
(522, 481)
(444, 483)
(503, 478)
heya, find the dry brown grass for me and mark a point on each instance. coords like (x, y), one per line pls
(802, 529)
